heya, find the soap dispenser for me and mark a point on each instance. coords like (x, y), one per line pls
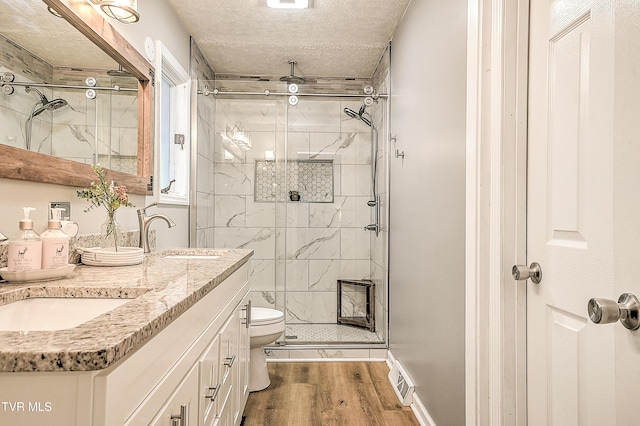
(25, 250)
(55, 243)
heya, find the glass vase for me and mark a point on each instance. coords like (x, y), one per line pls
(111, 232)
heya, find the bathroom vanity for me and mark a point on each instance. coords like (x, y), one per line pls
(176, 353)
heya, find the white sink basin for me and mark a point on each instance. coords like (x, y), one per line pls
(191, 256)
(47, 314)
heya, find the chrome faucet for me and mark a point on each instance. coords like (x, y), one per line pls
(144, 221)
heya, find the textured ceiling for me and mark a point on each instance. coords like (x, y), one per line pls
(27, 23)
(334, 38)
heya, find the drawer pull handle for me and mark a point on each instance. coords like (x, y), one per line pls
(229, 361)
(213, 395)
(182, 419)
(247, 308)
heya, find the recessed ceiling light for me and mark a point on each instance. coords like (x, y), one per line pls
(288, 4)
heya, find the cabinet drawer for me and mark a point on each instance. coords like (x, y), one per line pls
(184, 395)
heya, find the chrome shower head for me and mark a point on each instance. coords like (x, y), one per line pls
(351, 113)
(120, 72)
(45, 104)
(50, 106)
(292, 78)
(359, 115)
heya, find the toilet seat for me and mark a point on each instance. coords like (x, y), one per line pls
(265, 316)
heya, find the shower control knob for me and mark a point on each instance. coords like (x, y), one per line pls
(91, 81)
(7, 90)
(293, 88)
(523, 272)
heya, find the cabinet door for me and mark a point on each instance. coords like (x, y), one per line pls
(210, 383)
(184, 400)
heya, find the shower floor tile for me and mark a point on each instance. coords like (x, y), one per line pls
(297, 334)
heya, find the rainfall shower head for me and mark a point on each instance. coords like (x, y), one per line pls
(120, 72)
(292, 78)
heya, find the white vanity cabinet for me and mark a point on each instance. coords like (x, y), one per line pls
(198, 388)
(171, 379)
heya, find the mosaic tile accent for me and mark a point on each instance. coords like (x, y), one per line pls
(297, 334)
(312, 179)
(122, 163)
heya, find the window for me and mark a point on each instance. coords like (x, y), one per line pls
(173, 147)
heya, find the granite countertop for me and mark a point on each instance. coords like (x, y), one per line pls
(160, 290)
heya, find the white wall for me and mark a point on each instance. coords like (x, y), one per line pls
(160, 23)
(427, 222)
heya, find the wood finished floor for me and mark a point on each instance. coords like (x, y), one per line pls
(327, 393)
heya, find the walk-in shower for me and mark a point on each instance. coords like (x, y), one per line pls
(38, 108)
(303, 243)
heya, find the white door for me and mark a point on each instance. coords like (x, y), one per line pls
(571, 362)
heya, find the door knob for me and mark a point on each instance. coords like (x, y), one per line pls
(627, 310)
(523, 272)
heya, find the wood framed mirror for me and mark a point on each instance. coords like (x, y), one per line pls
(23, 164)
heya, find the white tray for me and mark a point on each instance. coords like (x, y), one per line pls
(97, 256)
(37, 274)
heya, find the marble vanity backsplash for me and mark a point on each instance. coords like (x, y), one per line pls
(130, 239)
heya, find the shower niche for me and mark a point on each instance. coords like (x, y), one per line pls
(310, 180)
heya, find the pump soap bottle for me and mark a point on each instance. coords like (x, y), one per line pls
(25, 250)
(55, 243)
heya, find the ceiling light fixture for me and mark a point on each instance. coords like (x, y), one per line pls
(288, 4)
(125, 11)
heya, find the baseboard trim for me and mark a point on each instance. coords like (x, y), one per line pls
(418, 408)
(326, 360)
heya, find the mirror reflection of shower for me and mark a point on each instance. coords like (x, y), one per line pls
(38, 108)
(367, 119)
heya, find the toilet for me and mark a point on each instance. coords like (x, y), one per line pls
(267, 325)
